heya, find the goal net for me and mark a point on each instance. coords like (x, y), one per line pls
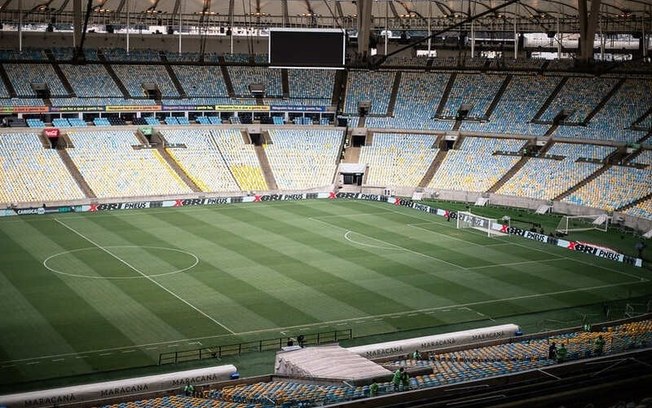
(570, 223)
(467, 220)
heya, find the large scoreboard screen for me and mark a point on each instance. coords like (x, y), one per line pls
(307, 48)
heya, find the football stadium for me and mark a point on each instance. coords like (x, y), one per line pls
(302, 203)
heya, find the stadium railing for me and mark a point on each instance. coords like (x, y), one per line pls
(219, 351)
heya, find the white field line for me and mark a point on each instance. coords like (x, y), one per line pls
(351, 240)
(326, 324)
(442, 234)
(352, 215)
(393, 246)
(149, 278)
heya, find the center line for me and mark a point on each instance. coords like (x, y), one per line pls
(149, 278)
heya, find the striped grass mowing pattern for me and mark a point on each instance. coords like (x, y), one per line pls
(92, 292)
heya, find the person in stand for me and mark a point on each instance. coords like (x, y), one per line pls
(396, 380)
(416, 355)
(405, 380)
(561, 354)
(552, 351)
(373, 388)
(599, 346)
(189, 390)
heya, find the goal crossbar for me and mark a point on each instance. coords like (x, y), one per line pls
(466, 219)
(569, 223)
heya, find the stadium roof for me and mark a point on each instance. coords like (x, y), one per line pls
(340, 8)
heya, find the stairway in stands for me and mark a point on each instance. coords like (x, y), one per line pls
(352, 154)
(113, 75)
(444, 98)
(264, 163)
(173, 76)
(226, 76)
(434, 166)
(339, 88)
(582, 183)
(636, 123)
(74, 171)
(62, 77)
(7, 82)
(510, 173)
(604, 101)
(551, 130)
(645, 138)
(394, 95)
(550, 98)
(499, 94)
(285, 83)
(174, 165)
(634, 203)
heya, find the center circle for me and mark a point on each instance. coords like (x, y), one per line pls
(130, 258)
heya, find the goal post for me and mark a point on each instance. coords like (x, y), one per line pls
(466, 219)
(570, 223)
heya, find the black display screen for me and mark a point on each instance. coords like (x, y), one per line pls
(306, 48)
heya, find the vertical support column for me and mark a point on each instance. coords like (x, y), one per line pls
(429, 28)
(77, 25)
(560, 39)
(516, 16)
(588, 25)
(180, 23)
(515, 40)
(644, 38)
(472, 29)
(231, 12)
(128, 25)
(364, 27)
(20, 25)
(602, 42)
(472, 39)
(387, 25)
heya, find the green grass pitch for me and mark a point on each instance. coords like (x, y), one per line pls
(92, 292)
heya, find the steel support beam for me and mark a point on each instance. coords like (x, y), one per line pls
(77, 25)
(588, 25)
(364, 28)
